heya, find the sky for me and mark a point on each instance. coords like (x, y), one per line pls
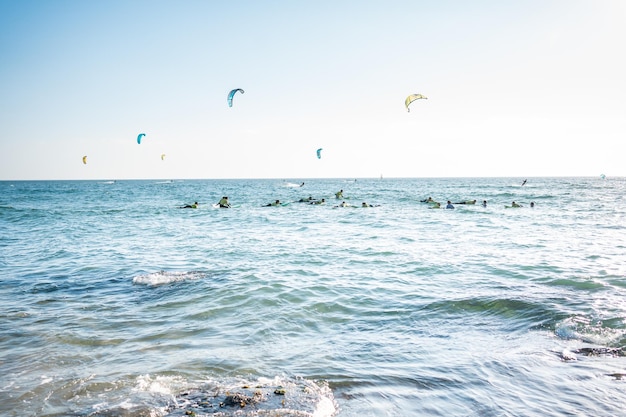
(515, 88)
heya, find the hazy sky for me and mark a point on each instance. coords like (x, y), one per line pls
(515, 88)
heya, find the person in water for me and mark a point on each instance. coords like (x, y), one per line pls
(366, 205)
(484, 203)
(275, 203)
(532, 204)
(467, 202)
(319, 202)
(194, 205)
(449, 205)
(524, 182)
(428, 200)
(514, 204)
(306, 200)
(224, 203)
(339, 194)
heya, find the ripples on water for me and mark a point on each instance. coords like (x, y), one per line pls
(116, 302)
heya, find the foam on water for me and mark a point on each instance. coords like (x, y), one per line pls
(167, 277)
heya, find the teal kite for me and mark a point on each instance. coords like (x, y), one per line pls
(232, 94)
(319, 153)
(141, 135)
(410, 99)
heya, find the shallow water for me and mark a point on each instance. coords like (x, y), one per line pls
(117, 302)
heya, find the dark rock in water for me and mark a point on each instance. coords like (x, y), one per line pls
(242, 400)
(571, 355)
(290, 398)
(600, 351)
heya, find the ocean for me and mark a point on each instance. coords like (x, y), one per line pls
(116, 302)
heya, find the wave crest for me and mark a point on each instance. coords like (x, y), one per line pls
(167, 277)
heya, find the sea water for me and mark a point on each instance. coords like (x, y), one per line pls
(116, 302)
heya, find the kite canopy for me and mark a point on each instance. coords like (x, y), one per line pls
(319, 153)
(231, 95)
(410, 99)
(141, 135)
(85, 159)
(162, 157)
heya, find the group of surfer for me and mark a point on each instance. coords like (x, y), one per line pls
(338, 196)
(224, 203)
(450, 205)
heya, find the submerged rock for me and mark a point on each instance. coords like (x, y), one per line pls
(278, 398)
(571, 355)
(600, 351)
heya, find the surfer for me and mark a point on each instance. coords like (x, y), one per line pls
(224, 203)
(319, 202)
(524, 183)
(484, 203)
(514, 204)
(194, 205)
(339, 194)
(275, 203)
(449, 205)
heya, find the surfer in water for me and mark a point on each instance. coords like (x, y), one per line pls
(224, 203)
(194, 205)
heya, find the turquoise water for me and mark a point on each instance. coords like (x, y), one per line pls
(117, 303)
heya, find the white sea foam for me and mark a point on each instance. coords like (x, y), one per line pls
(167, 277)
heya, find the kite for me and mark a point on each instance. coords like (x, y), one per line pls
(231, 94)
(162, 157)
(141, 135)
(410, 99)
(85, 159)
(319, 153)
